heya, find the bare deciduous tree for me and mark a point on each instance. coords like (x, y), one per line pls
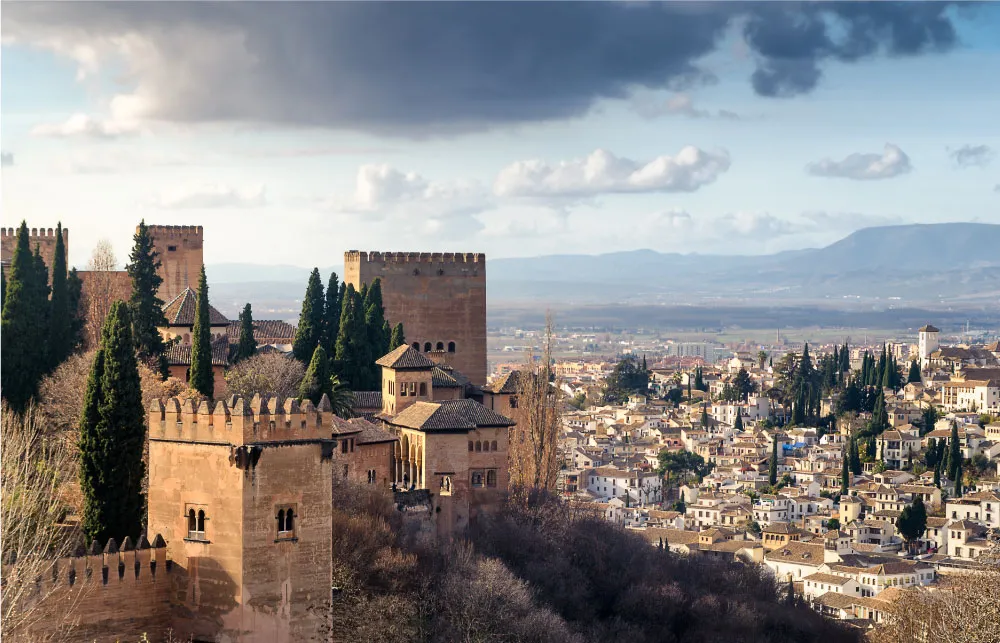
(267, 374)
(100, 290)
(33, 468)
(533, 450)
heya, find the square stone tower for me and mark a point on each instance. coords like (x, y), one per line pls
(181, 254)
(43, 238)
(440, 298)
(927, 339)
(243, 495)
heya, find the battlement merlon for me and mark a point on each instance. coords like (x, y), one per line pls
(355, 256)
(240, 421)
(35, 233)
(139, 564)
(163, 231)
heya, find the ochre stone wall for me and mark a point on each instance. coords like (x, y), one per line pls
(181, 250)
(440, 298)
(375, 457)
(44, 239)
(123, 609)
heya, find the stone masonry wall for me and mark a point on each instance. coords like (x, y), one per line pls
(44, 238)
(439, 298)
(181, 250)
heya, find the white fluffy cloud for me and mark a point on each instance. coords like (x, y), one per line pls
(83, 126)
(893, 161)
(211, 196)
(972, 155)
(601, 172)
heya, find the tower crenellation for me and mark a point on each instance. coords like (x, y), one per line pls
(239, 421)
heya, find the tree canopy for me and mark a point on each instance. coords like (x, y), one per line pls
(146, 307)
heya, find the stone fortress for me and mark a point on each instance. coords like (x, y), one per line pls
(240, 499)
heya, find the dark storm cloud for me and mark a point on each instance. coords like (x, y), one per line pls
(973, 155)
(419, 67)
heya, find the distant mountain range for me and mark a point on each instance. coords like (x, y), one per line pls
(947, 264)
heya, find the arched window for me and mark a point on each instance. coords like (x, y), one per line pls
(427, 347)
(493, 445)
(471, 445)
(479, 446)
(491, 478)
(286, 523)
(423, 388)
(201, 520)
(416, 346)
(451, 347)
(196, 524)
(281, 520)
(289, 520)
(440, 346)
(192, 523)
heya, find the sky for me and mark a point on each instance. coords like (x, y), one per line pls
(294, 131)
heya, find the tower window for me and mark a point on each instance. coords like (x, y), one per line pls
(491, 478)
(416, 346)
(423, 388)
(493, 445)
(286, 522)
(471, 445)
(479, 446)
(451, 347)
(440, 346)
(477, 478)
(196, 524)
(171, 248)
(427, 347)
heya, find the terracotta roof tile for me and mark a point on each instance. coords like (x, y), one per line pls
(179, 311)
(405, 357)
(450, 414)
(265, 331)
(180, 354)
(368, 400)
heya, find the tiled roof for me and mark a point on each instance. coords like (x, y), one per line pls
(179, 311)
(828, 578)
(368, 400)
(370, 433)
(265, 331)
(450, 414)
(404, 357)
(180, 354)
(798, 553)
(507, 383)
(444, 376)
(928, 329)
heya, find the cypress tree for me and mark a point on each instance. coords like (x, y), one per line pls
(958, 480)
(880, 417)
(74, 293)
(937, 474)
(146, 306)
(350, 341)
(738, 425)
(704, 417)
(798, 409)
(914, 374)
(398, 338)
(60, 342)
(317, 380)
(791, 591)
(112, 433)
(22, 338)
(954, 454)
(378, 340)
(309, 332)
(772, 468)
(331, 315)
(3, 289)
(845, 476)
(248, 343)
(855, 457)
(201, 377)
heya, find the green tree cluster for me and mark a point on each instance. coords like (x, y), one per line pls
(912, 521)
(677, 466)
(629, 377)
(36, 333)
(112, 435)
(350, 326)
(146, 307)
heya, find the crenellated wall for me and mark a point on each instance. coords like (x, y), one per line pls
(440, 298)
(44, 238)
(106, 594)
(238, 421)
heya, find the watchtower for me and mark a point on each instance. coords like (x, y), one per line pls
(440, 298)
(181, 255)
(406, 378)
(242, 493)
(43, 238)
(927, 339)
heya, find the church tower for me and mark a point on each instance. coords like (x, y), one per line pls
(928, 343)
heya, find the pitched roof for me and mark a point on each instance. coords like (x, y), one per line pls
(449, 415)
(180, 354)
(370, 433)
(798, 553)
(444, 376)
(404, 357)
(928, 329)
(179, 311)
(506, 383)
(267, 331)
(368, 399)
(832, 579)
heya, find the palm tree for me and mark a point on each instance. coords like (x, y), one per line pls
(761, 358)
(341, 399)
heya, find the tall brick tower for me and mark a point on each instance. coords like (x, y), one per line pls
(439, 297)
(181, 250)
(43, 238)
(243, 494)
